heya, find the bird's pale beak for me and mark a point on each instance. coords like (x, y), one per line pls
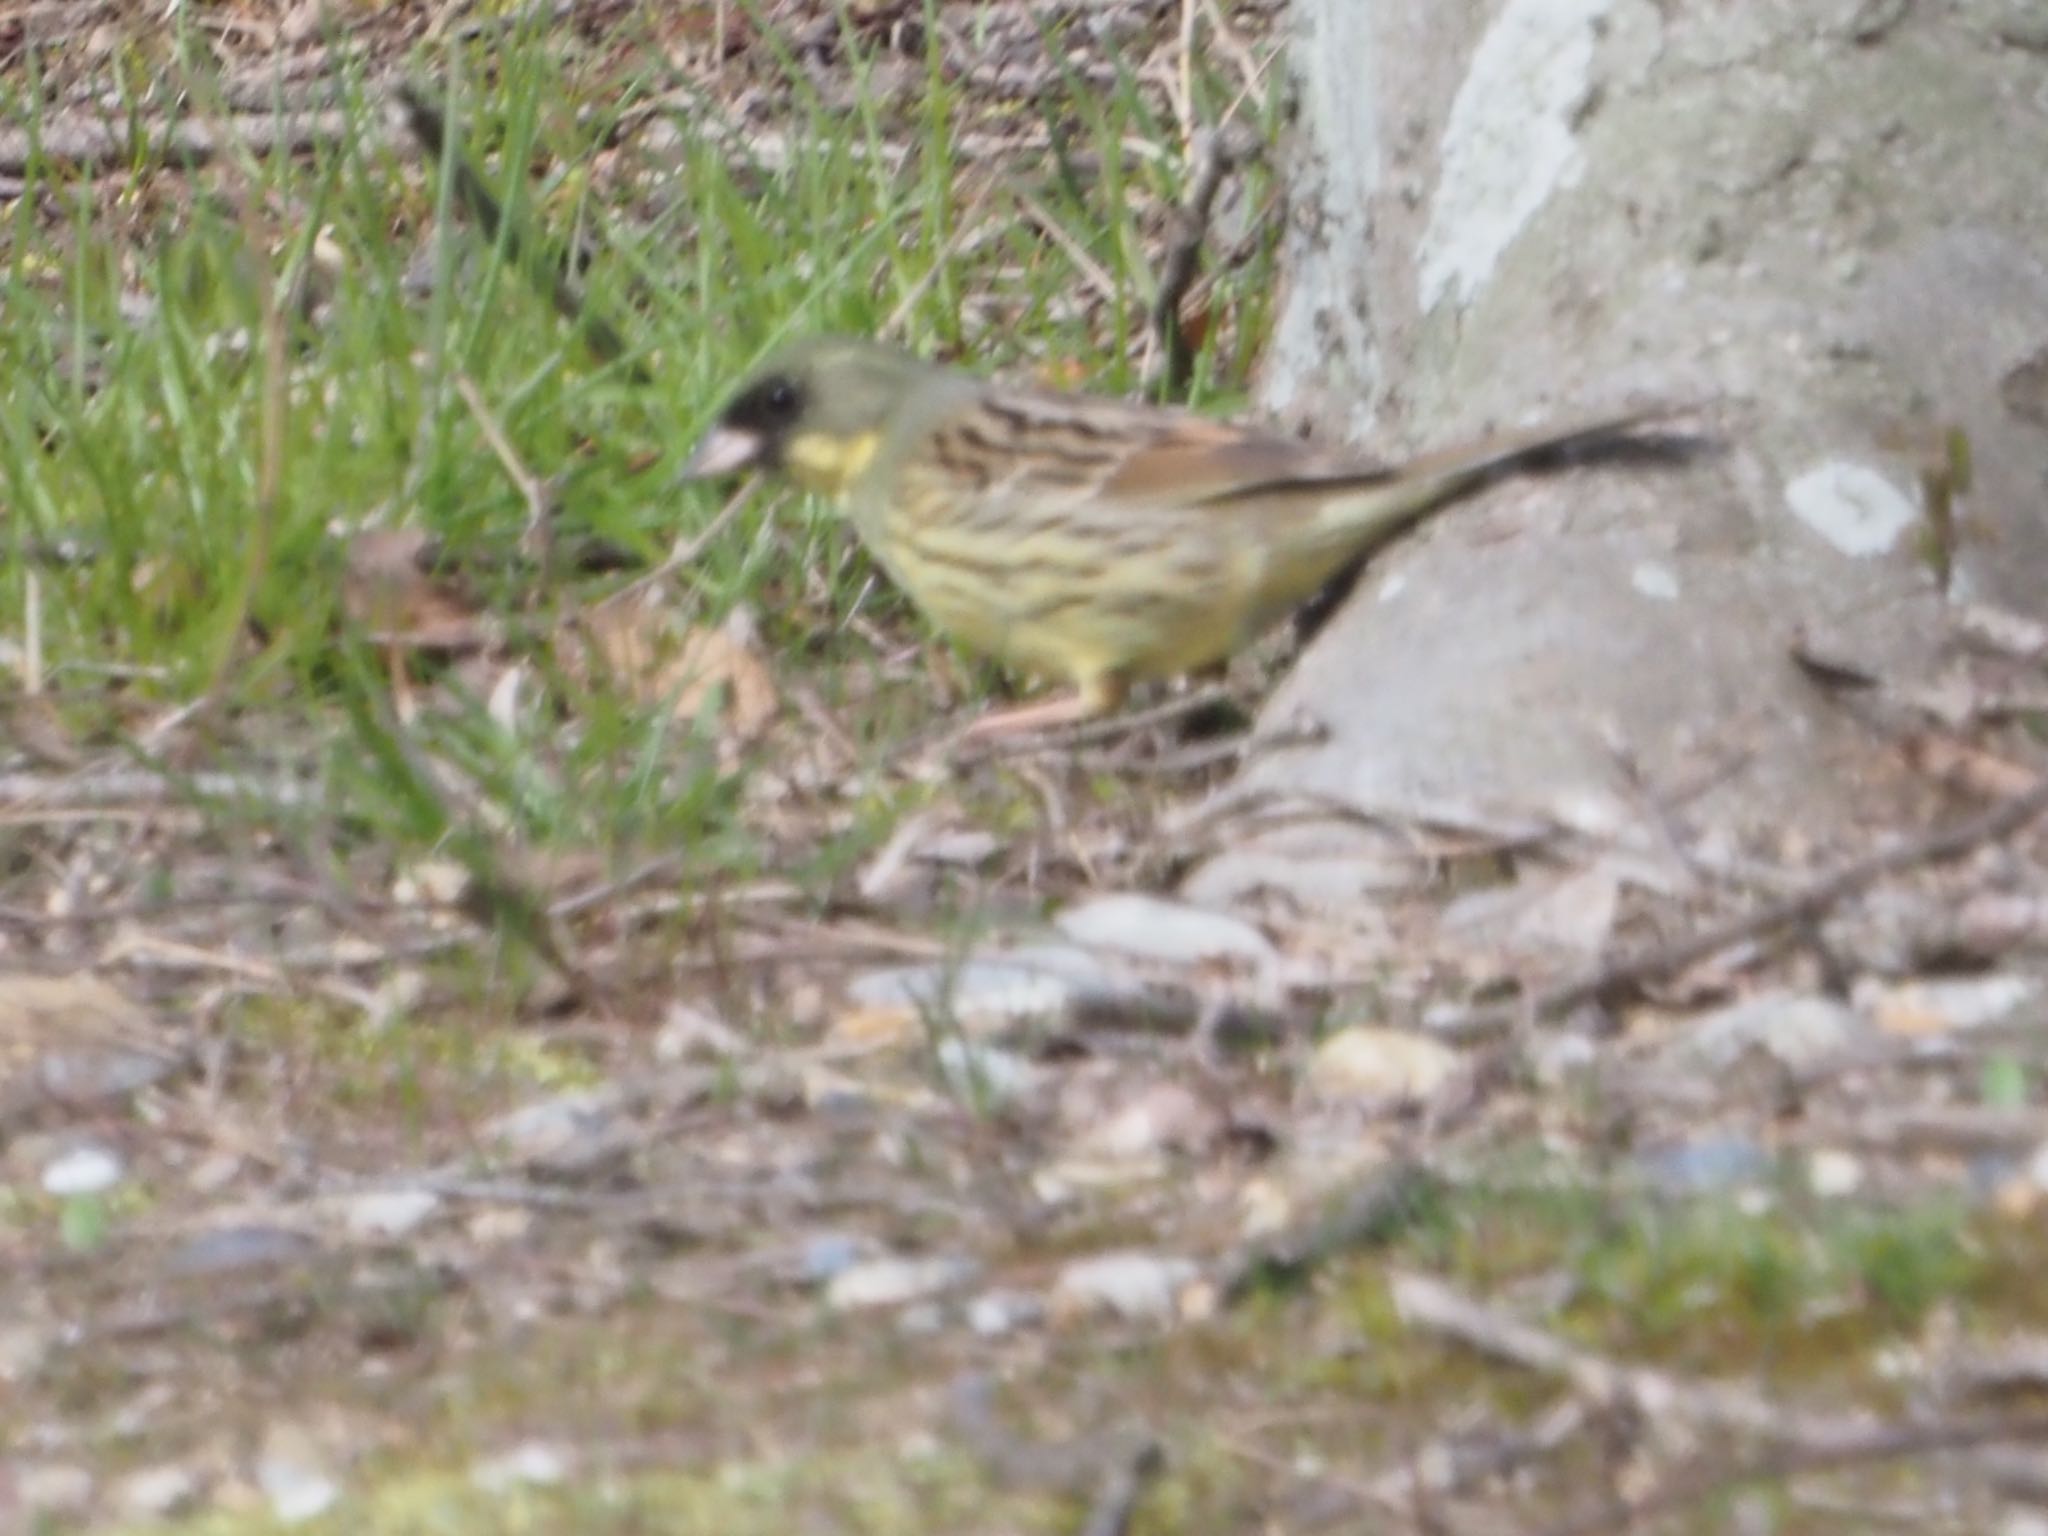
(723, 451)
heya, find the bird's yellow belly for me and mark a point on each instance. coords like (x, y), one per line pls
(1094, 627)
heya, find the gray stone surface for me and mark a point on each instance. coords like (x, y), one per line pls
(1576, 204)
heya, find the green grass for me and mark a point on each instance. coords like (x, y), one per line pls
(202, 483)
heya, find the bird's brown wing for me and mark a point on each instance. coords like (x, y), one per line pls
(1007, 450)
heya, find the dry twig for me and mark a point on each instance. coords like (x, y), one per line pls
(1650, 1394)
(1123, 1487)
(1796, 909)
(1878, 1443)
(119, 790)
(1113, 1474)
(539, 495)
(1795, 1442)
(1366, 1215)
(2001, 632)
(1219, 153)
(91, 145)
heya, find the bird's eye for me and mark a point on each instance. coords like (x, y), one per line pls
(779, 399)
(773, 405)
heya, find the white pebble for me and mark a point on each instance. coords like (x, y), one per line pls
(534, 1464)
(389, 1213)
(1139, 1286)
(1832, 1173)
(82, 1171)
(895, 1282)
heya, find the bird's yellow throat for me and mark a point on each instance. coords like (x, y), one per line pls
(827, 465)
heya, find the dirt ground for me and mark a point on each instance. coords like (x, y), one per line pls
(413, 1179)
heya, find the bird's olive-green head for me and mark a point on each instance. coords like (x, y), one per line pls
(816, 411)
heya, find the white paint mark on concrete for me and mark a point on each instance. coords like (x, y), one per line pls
(1852, 506)
(1654, 580)
(1510, 142)
(1322, 332)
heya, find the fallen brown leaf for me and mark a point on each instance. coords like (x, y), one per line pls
(635, 645)
(391, 593)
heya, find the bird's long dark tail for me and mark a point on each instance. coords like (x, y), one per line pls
(1424, 485)
(1351, 529)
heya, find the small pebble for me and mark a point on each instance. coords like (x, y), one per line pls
(1705, 1165)
(54, 1491)
(661, 138)
(993, 1314)
(497, 1224)
(297, 1490)
(984, 1074)
(548, 1128)
(827, 1255)
(1999, 1177)
(967, 848)
(1159, 1118)
(985, 995)
(1791, 1028)
(1168, 932)
(156, 1493)
(1265, 1205)
(839, 1101)
(436, 882)
(1558, 1058)
(531, 1464)
(920, 1319)
(78, 1078)
(87, 1170)
(214, 1173)
(227, 1250)
(388, 1213)
(1379, 1065)
(1832, 1173)
(1143, 1287)
(691, 1034)
(896, 1282)
(2016, 1199)
(1937, 1007)
(24, 1350)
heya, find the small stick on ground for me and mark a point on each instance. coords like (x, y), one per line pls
(1123, 1488)
(1452, 1464)
(2001, 632)
(1369, 1214)
(90, 145)
(1093, 732)
(1073, 1468)
(1699, 1484)
(542, 503)
(118, 791)
(1171, 355)
(1211, 754)
(1650, 1394)
(687, 550)
(1796, 909)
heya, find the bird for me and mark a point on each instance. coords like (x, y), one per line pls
(1085, 539)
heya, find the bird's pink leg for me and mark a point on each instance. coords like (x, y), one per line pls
(1089, 702)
